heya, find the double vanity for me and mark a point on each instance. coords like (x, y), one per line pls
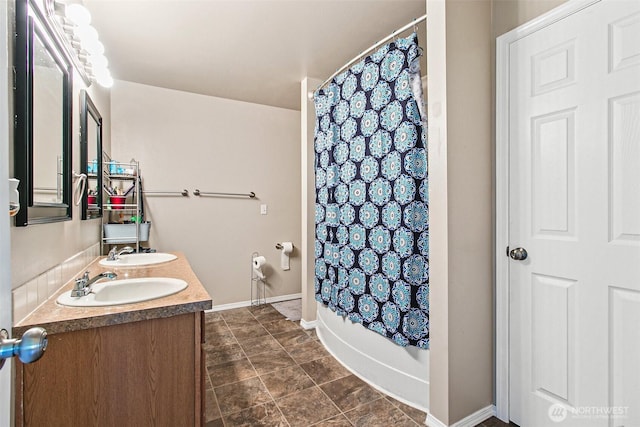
(127, 353)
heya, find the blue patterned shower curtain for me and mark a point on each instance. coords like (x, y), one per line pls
(372, 214)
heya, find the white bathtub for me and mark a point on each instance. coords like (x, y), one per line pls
(401, 372)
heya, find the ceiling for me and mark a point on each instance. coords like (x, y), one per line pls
(255, 51)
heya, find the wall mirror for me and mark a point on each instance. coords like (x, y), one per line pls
(42, 150)
(91, 156)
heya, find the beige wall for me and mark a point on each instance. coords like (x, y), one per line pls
(438, 221)
(37, 248)
(508, 14)
(458, 49)
(307, 125)
(461, 52)
(470, 248)
(188, 141)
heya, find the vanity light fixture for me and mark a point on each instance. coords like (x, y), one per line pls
(78, 14)
(83, 40)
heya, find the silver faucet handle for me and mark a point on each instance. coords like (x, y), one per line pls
(82, 280)
(80, 287)
(113, 254)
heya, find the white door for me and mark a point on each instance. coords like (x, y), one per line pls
(574, 206)
(5, 256)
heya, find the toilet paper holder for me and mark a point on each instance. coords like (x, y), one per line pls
(257, 284)
(287, 249)
(279, 246)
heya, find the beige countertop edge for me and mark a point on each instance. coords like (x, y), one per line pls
(57, 319)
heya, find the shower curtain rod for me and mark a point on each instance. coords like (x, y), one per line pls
(364, 52)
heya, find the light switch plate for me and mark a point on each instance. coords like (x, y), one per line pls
(263, 209)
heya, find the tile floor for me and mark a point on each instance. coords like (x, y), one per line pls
(494, 422)
(264, 370)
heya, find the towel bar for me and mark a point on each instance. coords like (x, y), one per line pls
(184, 193)
(197, 192)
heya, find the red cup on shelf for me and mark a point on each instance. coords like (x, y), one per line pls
(91, 200)
(117, 202)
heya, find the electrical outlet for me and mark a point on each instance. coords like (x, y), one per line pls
(263, 209)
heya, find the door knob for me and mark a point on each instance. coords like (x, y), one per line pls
(29, 348)
(519, 254)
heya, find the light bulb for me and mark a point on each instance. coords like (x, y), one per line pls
(103, 77)
(86, 34)
(93, 47)
(105, 81)
(98, 61)
(101, 73)
(78, 14)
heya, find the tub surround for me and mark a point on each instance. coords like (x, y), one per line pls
(56, 318)
(400, 372)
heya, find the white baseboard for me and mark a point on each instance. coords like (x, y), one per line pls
(432, 421)
(248, 303)
(308, 325)
(469, 421)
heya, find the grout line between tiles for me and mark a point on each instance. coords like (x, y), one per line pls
(270, 335)
(401, 410)
(224, 423)
(215, 398)
(257, 375)
(260, 376)
(327, 396)
(274, 401)
(312, 380)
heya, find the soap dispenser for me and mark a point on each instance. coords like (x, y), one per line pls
(14, 196)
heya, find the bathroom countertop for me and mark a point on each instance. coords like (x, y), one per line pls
(56, 318)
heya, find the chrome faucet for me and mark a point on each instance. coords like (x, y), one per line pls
(84, 283)
(114, 254)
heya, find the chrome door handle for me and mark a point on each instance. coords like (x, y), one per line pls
(29, 348)
(519, 254)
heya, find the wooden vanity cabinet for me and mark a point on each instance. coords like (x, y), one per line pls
(143, 373)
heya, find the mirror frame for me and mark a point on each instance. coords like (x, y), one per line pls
(27, 27)
(89, 110)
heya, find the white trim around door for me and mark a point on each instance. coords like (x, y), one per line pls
(503, 44)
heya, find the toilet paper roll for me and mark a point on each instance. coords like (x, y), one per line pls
(257, 264)
(258, 272)
(287, 248)
(259, 261)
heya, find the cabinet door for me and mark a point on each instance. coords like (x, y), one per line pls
(141, 373)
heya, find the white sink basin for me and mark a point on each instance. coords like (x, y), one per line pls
(138, 260)
(126, 291)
